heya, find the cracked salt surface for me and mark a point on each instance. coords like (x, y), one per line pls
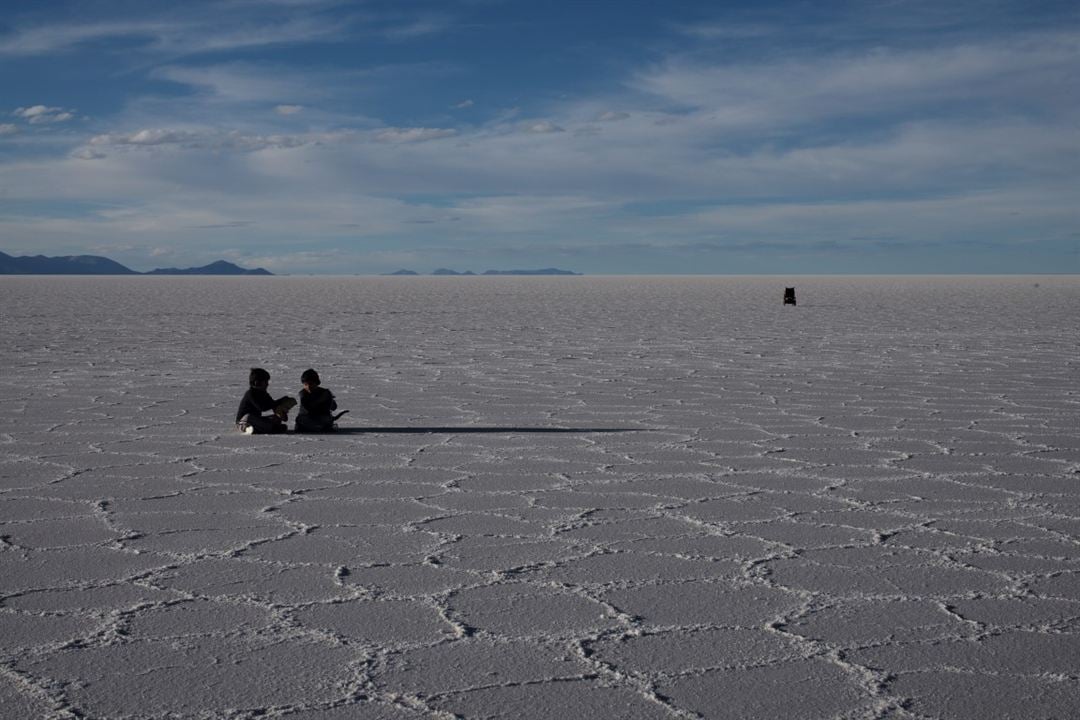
(553, 497)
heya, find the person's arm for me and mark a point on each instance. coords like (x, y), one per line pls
(318, 402)
(261, 401)
(246, 407)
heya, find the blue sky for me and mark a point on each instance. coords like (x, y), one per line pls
(317, 136)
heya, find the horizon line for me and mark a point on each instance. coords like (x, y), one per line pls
(140, 274)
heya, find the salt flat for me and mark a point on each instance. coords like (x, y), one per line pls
(553, 497)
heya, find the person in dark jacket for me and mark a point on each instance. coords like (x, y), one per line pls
(251, 417)
(317, 405)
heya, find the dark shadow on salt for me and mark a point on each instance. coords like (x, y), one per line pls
(474, 429)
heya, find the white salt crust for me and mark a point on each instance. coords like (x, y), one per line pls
(553, 497)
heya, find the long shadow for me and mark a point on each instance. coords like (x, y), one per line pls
(474, 429)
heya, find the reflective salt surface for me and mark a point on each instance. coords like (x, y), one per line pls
(553, 497)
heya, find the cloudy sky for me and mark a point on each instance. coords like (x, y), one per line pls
(602, 136)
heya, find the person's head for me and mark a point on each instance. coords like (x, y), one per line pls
(309, 378)
(258, 378)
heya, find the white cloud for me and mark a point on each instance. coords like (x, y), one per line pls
(413, 135)
(253, 34)
(464, 104)
(53, 38)
(541, 127)
(148, 137)
(8, 129)
(288, 109)
(870, 83)
(31, 112)
(521, 213)
(420, 27)
(612, 116)
(41, 114)
(200, 139)
(202, 29)
(88, 154)
(1005, 216)
(196, 200)
(244, 82)
(297, 262)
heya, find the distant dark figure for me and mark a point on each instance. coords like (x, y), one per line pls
(251, 418)
(789, 296)
(317, 405)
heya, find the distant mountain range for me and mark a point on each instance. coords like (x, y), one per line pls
(444, 271)
(96, 265)
(220, 267)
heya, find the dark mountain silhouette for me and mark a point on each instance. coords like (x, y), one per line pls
(545, 271)
(65, 265)
(220, 267)
(96, 265)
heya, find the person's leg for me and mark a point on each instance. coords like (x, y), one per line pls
(262, 425)
(307, 423)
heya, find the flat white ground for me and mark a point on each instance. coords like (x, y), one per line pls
(553, 497)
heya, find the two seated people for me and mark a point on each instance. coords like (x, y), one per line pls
(260, 413)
